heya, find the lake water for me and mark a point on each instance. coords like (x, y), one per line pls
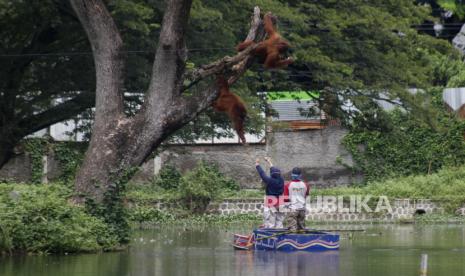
(381, 250)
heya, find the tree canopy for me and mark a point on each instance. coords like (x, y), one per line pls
(352, 48)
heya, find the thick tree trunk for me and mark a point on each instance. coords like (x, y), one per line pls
(108, 133)
(119, 144)
(6, 151)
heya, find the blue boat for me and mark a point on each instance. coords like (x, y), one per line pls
(288, 241)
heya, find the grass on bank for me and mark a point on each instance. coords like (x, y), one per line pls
(445, 185)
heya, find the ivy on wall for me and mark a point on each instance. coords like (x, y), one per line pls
(68, 154)
(36, 148)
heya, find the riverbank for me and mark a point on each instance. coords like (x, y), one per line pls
(39, 218)
(246, 210)
(441, 196)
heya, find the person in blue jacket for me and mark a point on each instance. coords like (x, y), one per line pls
(274, 187)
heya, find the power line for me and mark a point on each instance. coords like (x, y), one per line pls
(65, 54)
(90, 53)
(205, 49)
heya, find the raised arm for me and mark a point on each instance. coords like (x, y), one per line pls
(261, 172)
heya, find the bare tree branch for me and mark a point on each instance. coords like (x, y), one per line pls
(216, 67)
(56, 114)
(235, 66)
(241, 61)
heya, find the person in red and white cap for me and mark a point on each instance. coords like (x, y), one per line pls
(295, 194)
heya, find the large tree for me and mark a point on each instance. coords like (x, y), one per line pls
(47, 72)
(120, 143)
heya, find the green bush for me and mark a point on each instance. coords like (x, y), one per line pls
(408, 146)
(37, 218)
(202, 185)
(149, 214)
(191, 194)
(168, 178)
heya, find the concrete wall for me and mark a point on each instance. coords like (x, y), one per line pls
(17, 169)
(315, 151)
(402, 209)
(236, 161)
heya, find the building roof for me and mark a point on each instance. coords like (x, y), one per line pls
(293, 110)
(293, 105)
(299, 109)
(454, 97)
(291, 95)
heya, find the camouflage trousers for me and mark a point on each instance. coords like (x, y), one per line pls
(296, 219)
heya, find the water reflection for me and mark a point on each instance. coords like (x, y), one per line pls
(383, 250)
(113, 263)
(280, 263)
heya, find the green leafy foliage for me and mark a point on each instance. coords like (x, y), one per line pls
(221, 220)
(148, 217)
(185, 201)
(370, 46)
(439, 218)
(37, 75)
(455, 6)
(37, 218)
(446, 186)
(194, 189)
(202, 185)
(70, 156)
(112, 209)
(36, 148)
(147, 194)
(148, 214)
(405, 144)
(134, 16)
(448, 71)
(168, 178)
